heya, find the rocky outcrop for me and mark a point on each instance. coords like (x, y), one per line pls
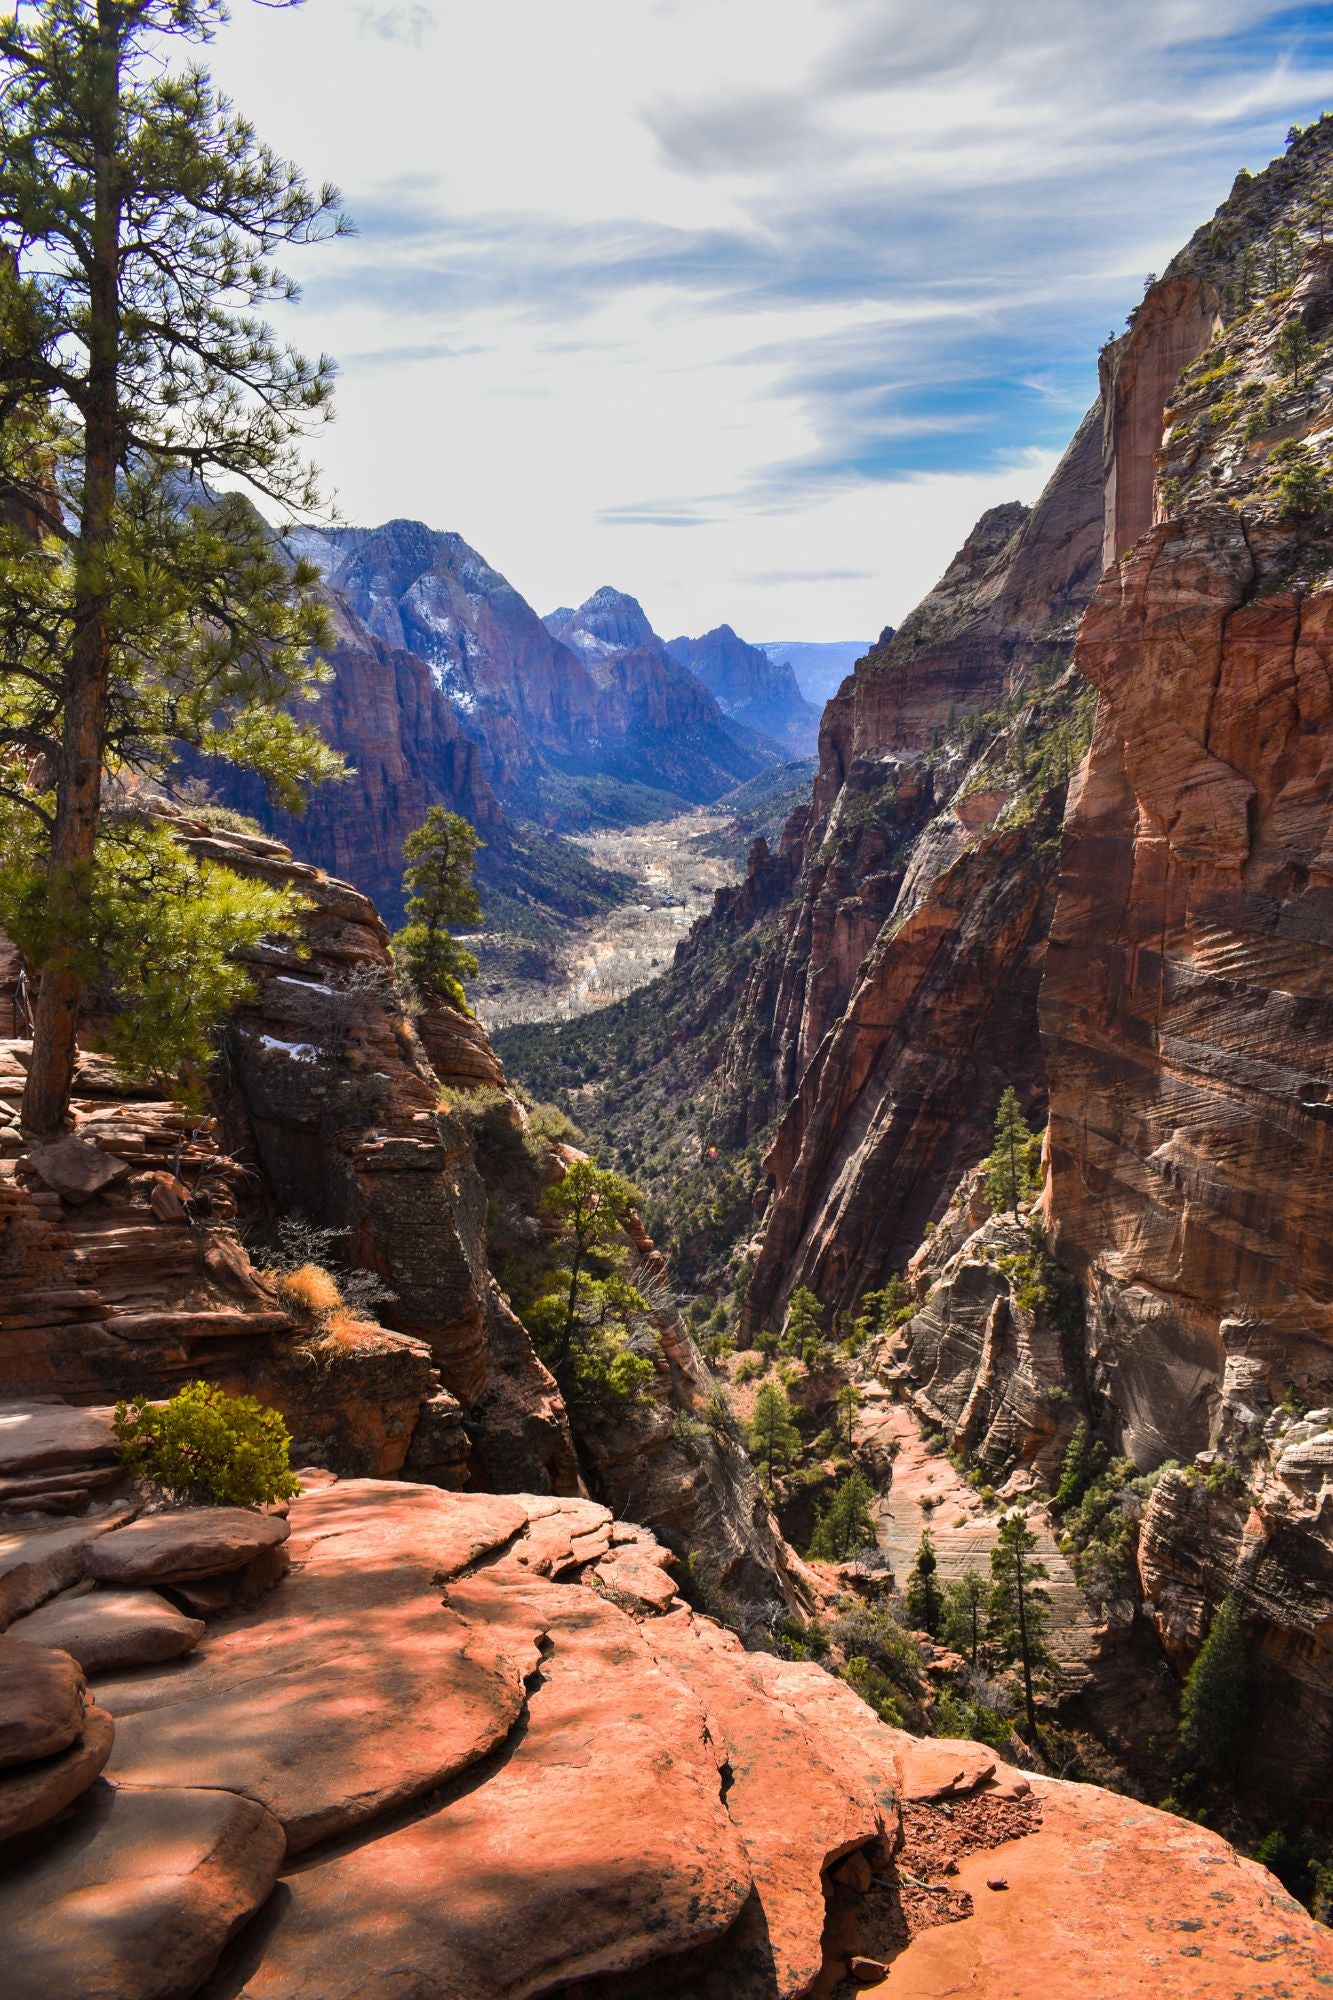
(994, 1346)
(144, 1285)
(442, 1679)
(760, 692)
(1203, 1538)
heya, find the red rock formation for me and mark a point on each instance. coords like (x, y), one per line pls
(638, 1807)
(895, 750)
(899, 1096)
(1186, 1008)
(1139, 373)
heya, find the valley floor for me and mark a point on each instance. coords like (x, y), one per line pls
(678, 864)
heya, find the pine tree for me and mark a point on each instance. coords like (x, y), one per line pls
(437, 881)
(772, 1436)
(805, 1321)
(1018, 1606)
(1009, 1176)
(963, 1623)
(586, 1313)
(847, 1523)
(923, 1605)
(1081, 1464)
(1215, 1700)
(140, 609)
(846, 1405)
(1293, 348)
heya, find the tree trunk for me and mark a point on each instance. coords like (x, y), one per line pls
(1025, 1650)
(87, 673)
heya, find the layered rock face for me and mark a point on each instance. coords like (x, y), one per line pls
(1187, 1009)
(905, 995)
(1188, 1017)
(476, 1745)
(755, 690)
(1139, 373)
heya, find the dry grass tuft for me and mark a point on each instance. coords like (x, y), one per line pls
(309, 1290)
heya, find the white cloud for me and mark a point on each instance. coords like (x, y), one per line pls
(684, 294)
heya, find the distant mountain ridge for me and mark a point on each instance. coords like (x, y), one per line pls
(448, 689)
(751, 687)
(820, 665)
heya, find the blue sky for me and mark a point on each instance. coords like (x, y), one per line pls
(746, 306)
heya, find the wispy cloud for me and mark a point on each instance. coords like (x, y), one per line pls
(411, 23)
(781, 272)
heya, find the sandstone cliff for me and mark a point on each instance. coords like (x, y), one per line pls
(905, 994)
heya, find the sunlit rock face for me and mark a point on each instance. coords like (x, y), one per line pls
(902, 991)
(467, 1745)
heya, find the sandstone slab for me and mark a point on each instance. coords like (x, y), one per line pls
(42, 1701)
(197, 1541)
(642, 1585)
(798, 1810)
(1111, 1897)
(37, 1562)
(600, 1844)
(48, 1437)
(107, 1630)
(137, 1900)
(32, 1794)
(76, 1170)
(351, 1688)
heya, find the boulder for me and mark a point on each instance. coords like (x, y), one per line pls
(641, 1585)
(197, 1541)
(43, 1697)
(111, 1629)
(32, 1794)
(139, 1897)
(76, 1170)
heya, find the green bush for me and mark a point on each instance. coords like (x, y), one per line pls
(876, 1690)
(205, 1446)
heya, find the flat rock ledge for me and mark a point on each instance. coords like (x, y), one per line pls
(475, 1747)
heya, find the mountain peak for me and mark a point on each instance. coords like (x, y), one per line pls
(610, 621)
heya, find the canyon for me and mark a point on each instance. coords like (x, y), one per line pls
(527, 1690)
(1070, 833)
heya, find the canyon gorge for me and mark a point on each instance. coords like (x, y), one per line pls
(542, 1688)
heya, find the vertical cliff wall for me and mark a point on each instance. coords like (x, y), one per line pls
(904, 990)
